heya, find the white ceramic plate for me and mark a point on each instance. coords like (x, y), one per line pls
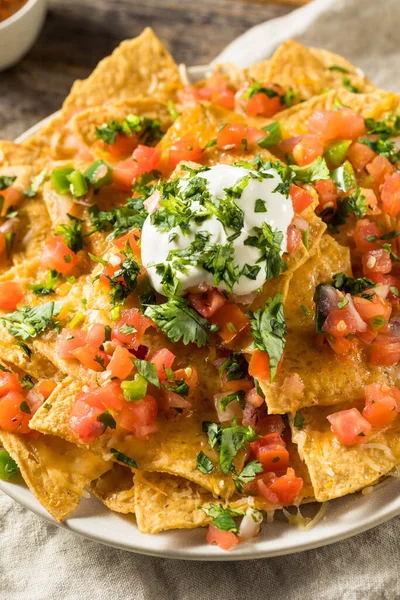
(343, 518)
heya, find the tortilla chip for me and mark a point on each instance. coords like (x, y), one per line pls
(12, 154)
(115, 489)
(55, 471)
(326, 378)
(138, 67)
(336, 470)
(306, 70)
(377, 105)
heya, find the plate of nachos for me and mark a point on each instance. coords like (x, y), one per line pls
(199, 296)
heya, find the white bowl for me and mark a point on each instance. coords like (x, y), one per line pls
(19, 32)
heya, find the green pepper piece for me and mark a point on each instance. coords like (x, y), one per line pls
(136, 389)
(335, 152)
(344, 177)
(99, 174)
(59, 179)
(8, 467)
(78, 184)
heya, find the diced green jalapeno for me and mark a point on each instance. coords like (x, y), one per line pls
(59, 179)
(335, 152)
(99, 174)
(8, 467)
(78, 184)
(136, 389)
(344, 177)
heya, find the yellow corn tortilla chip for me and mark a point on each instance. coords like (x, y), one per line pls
(54, 470)
(115, 489)
(306, 70)
(326, 378)
(336, 470)
(12, 154)
(375, 104)
(138, 67)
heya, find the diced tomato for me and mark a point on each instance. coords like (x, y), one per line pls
(300, 198)
(84, 422)
(259, 365)
(378, 168)
(360, 155)
(340, 322)
(287, 487)
(294, 239)
(188, 95)
(254, 398)
(231, 136)
(262, 105)
(231, 321)
(106, 396)
(163, 359)
(123, 147)
(69, 340)
(144, 160)
(45, 387)
(9, 382)
(381, 404)
(3, 244)
(121, 365)
(136, 415)
(11, 417)
(174, 400)
(349, 426)
(207, 303)
(131, 318)
(363, 230)
(189, 375)
(390, 195)
(186, 149)
(224, 98)
(288, 145)
(340, 345)
(336, 124)
(11, 294)
(375, 311)
(327, 193)
(96, 335)
(56, 255)
(234, 385)
(385, 350)
(376, 261)
(271, 451)
(224, 539)
(307, 150)
(91, 357)
(371, 201)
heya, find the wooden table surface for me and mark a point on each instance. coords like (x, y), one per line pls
(78, 33)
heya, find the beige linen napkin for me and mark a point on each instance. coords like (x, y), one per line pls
(39, 561)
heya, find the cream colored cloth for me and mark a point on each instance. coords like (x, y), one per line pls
(39, 561)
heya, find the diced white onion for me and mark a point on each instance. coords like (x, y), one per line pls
(301, 223)
(114, 260)
(360, 324)
(250, 524)
(233, 409)
(382, 290)
(382, 447)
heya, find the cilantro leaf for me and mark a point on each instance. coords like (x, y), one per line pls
(123, 280)
(180, 322)
(351, 285)
(6, 181)
(213, 431)
(338, 68)
(274, 136)
(147, 130)
(222, 518)
(316, 171)
(235, 367)
(118, 220)
(233, 438)
(35, 184)
(298, 421)
(30, 322)
(72, 233)
(269, 242)
(148, 370)
(239, 396)
(383, 147)
(349, 86)
(27, 382)
(248, 474)
(48, 286)
(355, 203)
(268, 328)
(204, 464)
(107, 419)
(121, 457)
(258, 88)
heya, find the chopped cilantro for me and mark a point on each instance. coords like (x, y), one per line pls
(351, 285)
(274, 136)
(349, 86)
(124, 458)
(25, 348)
(30, 322)
(259, 206)
(27, 382)
(48, 286)
(180, 322)
(6, 181)
(35, 184)
(107, 419)
(172, 110)
(25, 408)
(384, 147)
(298, 421)
(304, 310)
(204, 464)
(123, 280)
(118, 220)
(315, 171)
(355, 203)
(235, 367)
(72, 233)
(338, 68)
(268, 328)
(222, 518)
(258, 88)
(148, 370)
(239, 396)
(230, 440)
(147, 130)
(269, 243)
(248, 474)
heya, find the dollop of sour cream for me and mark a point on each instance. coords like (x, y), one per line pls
(258, 200)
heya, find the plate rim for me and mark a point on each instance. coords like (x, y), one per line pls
(208, 553)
